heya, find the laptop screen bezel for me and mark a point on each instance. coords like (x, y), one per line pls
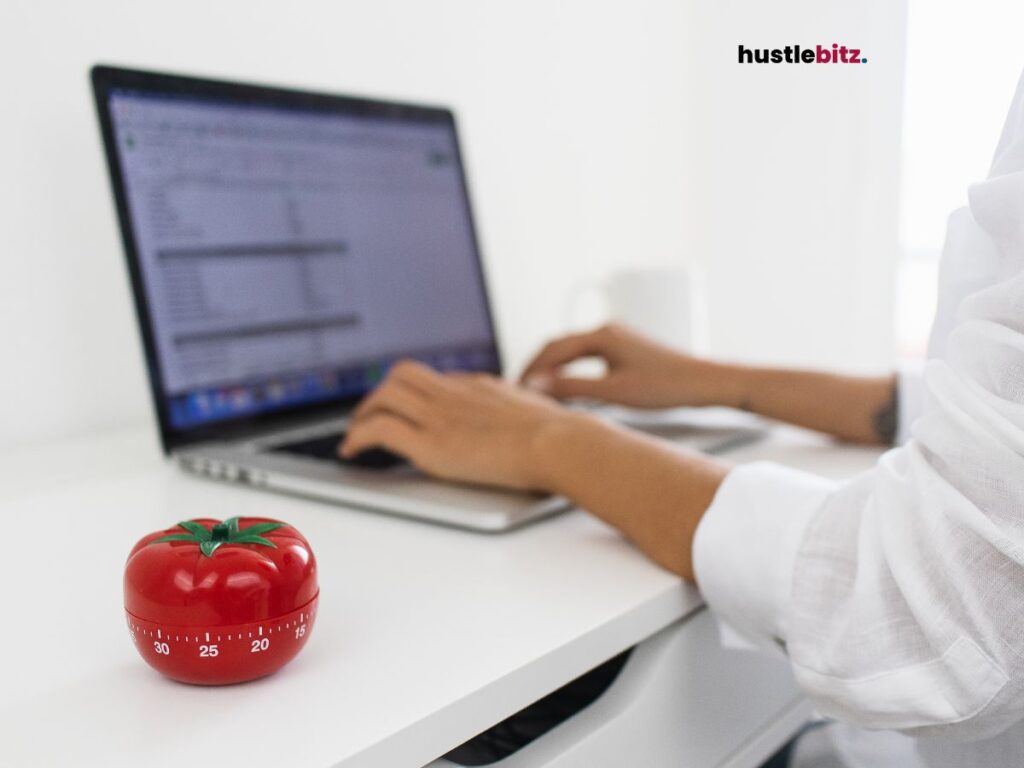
(107, 79)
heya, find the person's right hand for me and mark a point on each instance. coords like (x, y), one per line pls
(639, 372)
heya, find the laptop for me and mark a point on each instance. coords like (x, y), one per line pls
(284, 249)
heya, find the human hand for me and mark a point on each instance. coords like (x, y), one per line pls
(466, 427)
(639, 372)
(478, 429)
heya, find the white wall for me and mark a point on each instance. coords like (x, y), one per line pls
(797, 205)
(597, 135)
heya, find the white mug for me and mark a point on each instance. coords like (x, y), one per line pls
(663, 303)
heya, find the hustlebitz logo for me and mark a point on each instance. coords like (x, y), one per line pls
(796, 54)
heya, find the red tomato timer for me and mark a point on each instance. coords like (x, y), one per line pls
(213, 602)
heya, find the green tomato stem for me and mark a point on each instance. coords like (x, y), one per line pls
(226, 532)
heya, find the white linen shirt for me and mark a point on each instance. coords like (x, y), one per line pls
(899, 596)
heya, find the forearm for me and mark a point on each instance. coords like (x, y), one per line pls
(655, 494)
(857, 408)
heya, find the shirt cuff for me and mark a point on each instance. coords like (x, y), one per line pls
(746, 545)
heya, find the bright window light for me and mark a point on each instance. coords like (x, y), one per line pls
(963, 63)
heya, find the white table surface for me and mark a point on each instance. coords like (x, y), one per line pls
(425, 635)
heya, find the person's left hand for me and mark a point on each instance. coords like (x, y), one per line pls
(458, 426)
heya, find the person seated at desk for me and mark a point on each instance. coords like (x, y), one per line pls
(899, 595)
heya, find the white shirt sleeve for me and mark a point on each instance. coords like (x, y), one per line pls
(899, 596)
(909, 398)
(746, 544)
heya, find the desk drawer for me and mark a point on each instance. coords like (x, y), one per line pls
(681, 700)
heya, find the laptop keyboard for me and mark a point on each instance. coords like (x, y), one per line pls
(326, 447)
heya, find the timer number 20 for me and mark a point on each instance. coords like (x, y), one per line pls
(260, 645)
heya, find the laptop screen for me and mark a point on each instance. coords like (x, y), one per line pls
(289, 254)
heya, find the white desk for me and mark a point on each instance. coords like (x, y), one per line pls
(425, 635)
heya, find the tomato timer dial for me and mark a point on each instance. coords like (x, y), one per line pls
(214, 603)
